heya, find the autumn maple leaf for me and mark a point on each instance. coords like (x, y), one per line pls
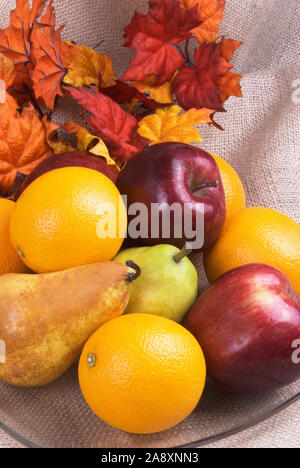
(123, 93)
(23, 143)
(166, 20)
(109, 121)
(162, 94)
(154, 36)
(7, 71)
(57, 62)
(171, 124)
(209, 83)
(85, 66)
(55, 143)
(15, 39)
(211, 13)
(47, 50)
(154, 57)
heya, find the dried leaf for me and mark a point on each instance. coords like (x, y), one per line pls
(211, 13)
(85, 66)
(7, 71)
(170, 124)
(153, 57)
(47, 52)
(209, 83)
(91, 143)
(123, 93)
(57, 145)
(15, 39)
(23, 143)
(227, 47)
(154, 37)
(109, 121)
(162, 94)
(166, 21)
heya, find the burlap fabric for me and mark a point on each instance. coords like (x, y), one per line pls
(261, 137)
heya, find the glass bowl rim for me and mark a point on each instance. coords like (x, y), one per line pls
(195, 444)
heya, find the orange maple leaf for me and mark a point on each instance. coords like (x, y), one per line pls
(15, 39)
(23, 143)
(85, 66)
(7, 71)
(229, 84)
(47, 51)
(171, 124)
(211, 13)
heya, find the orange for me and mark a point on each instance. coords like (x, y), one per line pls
(233, 187)
(142, 373)
(257, 235)
(10, 261)
(67, 218)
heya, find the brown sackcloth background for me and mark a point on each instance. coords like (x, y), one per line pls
(262, 134)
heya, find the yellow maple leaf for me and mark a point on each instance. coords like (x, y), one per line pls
(172, 124)
(162, 94)
(211, 13)
(91, 143)
(85, 65)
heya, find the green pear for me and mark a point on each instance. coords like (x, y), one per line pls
(168, 284)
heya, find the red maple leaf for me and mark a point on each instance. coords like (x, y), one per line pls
(123, 93)
(109, 121)
(154, 57)
(210, 82)
(166, 20)
(154, 36)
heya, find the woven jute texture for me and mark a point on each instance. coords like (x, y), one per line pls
(261, 140)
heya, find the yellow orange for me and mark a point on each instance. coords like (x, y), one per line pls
(67, 218)
(10, 261)
(142, 373)
(233, 186)
(257, 235)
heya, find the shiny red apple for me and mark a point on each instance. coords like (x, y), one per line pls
(175, 173)
(248, 325)
(76, 159)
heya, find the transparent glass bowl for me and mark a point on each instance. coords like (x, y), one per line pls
(57, 416)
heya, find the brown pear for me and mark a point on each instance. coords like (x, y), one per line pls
(46, 319)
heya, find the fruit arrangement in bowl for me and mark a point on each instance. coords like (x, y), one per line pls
(99, 225)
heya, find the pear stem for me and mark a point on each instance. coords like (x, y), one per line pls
(133, 276)
(214, 184)
(182, 254)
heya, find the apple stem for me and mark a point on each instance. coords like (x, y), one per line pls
(133, 276)
(215, 183)
(182, 254)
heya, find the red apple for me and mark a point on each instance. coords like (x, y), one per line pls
(76, 159)
(175, 173)
(248, 325)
